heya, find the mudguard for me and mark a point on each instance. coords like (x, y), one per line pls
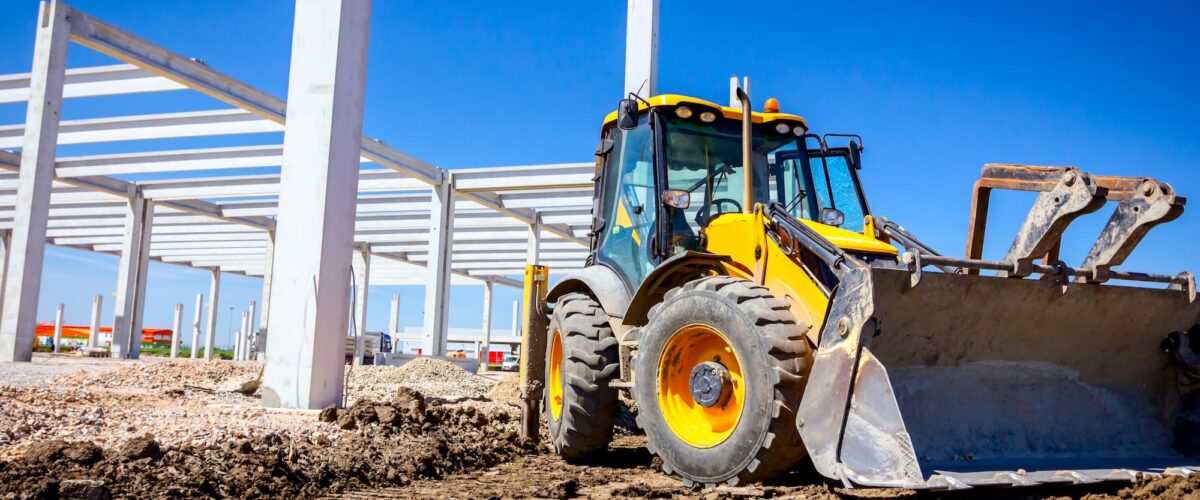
(598, 281)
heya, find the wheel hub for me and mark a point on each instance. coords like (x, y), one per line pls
(710, 384)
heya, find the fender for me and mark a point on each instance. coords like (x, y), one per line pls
(677, 270)
(598, 281)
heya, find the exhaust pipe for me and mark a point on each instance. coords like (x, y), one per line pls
(747, 153)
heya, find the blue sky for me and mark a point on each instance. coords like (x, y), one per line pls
(937, 89)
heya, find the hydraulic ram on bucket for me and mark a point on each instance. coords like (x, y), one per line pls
(927, 379)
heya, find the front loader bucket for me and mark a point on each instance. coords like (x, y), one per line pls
(966, 380)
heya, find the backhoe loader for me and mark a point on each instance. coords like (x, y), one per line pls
(742, 293)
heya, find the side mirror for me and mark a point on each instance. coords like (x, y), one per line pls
(627, 111)
(832, 217)
(677, 198)
(856, 155)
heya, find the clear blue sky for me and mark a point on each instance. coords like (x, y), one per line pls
(936, 88)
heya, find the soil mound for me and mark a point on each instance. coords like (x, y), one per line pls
(395, 443)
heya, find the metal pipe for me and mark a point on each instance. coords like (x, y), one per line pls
(1054, 270)
(747, 153)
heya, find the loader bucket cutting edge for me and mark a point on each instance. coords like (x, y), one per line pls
(981, 380)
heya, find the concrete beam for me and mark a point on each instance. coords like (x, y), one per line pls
(93, 81)
(314, 231)
(131, 280)
(157, 126)
(641, 48)
(437, 284)
(18, 316)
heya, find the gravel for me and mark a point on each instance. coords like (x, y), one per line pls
(432, 377)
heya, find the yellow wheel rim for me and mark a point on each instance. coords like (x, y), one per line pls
(555, 382)
(693, 423)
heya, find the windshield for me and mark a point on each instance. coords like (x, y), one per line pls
(705, 160)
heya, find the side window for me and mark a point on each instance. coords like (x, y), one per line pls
(838, 190)
(629, 204)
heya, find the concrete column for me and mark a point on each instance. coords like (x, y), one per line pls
(734, 102)
(176, 330)
(131, 279)
(94, 331)
(195, 349)
(58, 324)
(437, 283)
(260, 340)
(314, 232)
(251, 333)
(641, 48)
(210, 330)
(243, 337)
(484, 348)
(362, 283)
(516, 319)
(23, 280)
(5, 241)
(394, 323)
(535, 240)
(237, 336)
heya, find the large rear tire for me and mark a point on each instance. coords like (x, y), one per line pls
(581, 359)
(738, 431)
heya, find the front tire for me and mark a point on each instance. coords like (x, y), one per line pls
(581, 359)
(742, 429)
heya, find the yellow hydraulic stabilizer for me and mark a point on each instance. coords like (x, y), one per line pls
(533, 348)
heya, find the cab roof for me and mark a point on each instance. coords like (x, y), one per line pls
(672, 100)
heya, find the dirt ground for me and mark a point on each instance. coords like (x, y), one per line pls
(178, 429)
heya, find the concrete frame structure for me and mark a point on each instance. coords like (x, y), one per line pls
(463, 226)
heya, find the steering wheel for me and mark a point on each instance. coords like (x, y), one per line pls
(717, 202)
(702, 219)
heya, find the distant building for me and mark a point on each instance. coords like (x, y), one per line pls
(76, 336)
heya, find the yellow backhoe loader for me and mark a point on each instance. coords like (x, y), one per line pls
(759, 316)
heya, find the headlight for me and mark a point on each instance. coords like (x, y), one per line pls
(708, 117)
(683, 112)
(783, 128)
(798, 130)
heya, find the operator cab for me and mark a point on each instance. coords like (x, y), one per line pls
(646, 214)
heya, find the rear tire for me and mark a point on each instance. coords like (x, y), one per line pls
(580, 407)
(770, 358)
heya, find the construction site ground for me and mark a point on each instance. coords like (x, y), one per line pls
(96, 428)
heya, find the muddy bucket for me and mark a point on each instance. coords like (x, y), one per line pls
(964, 380)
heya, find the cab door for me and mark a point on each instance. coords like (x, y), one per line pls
(629, 205)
